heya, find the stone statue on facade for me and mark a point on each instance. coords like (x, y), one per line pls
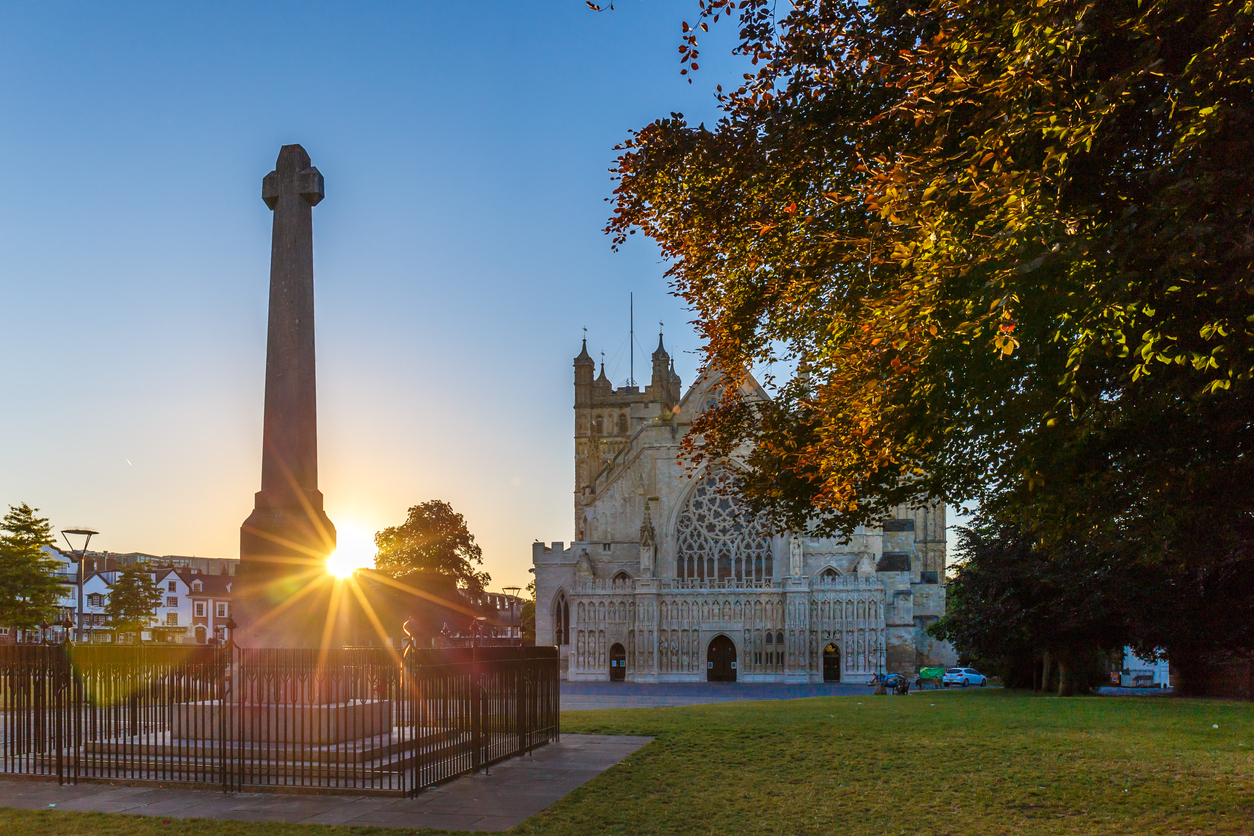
(866, 566)
(648, 544)
(584, 570)
(796, 555)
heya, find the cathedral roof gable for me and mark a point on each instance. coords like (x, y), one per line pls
(706, 386)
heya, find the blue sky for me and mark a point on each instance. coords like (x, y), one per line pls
(458, 253)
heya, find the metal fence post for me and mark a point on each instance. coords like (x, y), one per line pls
(60, 708)
(520, 701)
(476, 707)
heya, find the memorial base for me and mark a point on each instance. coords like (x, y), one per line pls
(283, 723)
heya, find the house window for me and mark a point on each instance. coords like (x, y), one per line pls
(171, 601)
(196, 587)
(605, 547)
(221, 609)
(200, 609)
(172, 586)
(171, 619)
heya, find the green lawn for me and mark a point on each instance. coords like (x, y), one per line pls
(964, 762)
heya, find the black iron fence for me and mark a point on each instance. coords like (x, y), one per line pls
(351, 720)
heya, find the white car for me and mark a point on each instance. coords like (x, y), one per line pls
(963, 677)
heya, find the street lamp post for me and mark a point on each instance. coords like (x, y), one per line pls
(512, 592)
(82, 555)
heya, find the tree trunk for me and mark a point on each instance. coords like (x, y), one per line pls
(1190, 673)
(1066, 675)
(1047, 670)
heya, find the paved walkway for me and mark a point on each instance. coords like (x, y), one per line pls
(514, 791)
(579, 696)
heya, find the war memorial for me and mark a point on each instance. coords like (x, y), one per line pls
(283, 705)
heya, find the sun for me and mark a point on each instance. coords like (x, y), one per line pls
(354, 550)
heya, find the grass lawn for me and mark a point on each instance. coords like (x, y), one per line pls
(952, 762)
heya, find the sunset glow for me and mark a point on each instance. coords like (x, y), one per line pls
(354, 550)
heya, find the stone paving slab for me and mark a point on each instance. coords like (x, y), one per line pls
(506, 795)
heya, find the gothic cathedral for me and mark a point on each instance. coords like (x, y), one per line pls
(670, 579)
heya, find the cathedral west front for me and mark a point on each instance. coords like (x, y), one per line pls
(672, 579)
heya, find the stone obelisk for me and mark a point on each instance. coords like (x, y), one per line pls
(285, 542)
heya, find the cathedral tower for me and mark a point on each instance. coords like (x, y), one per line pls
(606, 420)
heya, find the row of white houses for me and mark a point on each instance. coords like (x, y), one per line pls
(195, 605)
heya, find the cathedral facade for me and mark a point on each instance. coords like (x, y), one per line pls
(671, 578)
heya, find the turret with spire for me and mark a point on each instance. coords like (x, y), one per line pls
(660, 387)
(607, 419)
(602, 384)
(584, 368)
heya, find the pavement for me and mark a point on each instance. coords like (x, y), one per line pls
(511, 792)
(582, 696)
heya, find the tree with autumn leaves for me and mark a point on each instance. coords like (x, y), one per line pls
(1008, 247)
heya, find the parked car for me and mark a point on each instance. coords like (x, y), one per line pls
(964, 677)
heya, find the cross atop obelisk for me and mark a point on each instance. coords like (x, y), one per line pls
(289, 458)
(285, 541)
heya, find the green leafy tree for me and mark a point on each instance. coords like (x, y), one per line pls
(426, 569)
(433, 542)
(29, 589)
(133, 599)
(1015, 601)
(984, 229)
(1007, 247)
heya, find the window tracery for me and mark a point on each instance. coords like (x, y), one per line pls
(561, 619)
(717, 537)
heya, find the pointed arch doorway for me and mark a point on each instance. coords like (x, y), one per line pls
(618, 663)
(831, 663)
(720, 660)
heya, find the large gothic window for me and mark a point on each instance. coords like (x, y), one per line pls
(561, 619)
(717, 537)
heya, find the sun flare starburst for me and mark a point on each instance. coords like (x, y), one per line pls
(354, 550)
